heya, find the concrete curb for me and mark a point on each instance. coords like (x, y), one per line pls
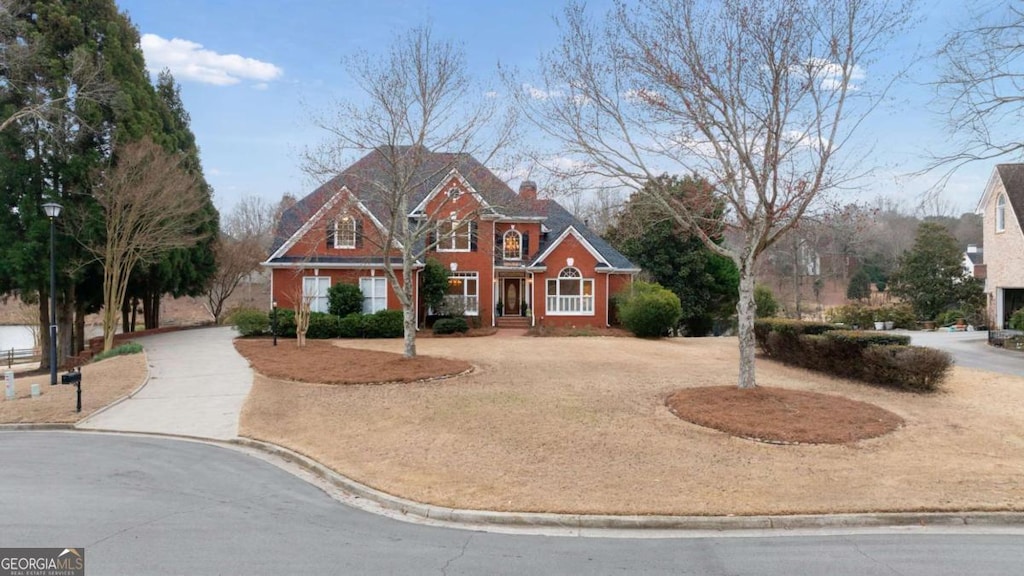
(462, 517)
(131, 394)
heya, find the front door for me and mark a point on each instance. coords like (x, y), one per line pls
(512, 296)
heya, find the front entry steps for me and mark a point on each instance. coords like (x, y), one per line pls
(513, 322)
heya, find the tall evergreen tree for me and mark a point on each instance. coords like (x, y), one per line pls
(705, 282)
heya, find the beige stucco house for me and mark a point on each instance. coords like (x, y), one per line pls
(1002, 206)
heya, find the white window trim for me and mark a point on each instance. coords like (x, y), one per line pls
(466, 297)
(337, 234)
(1001, 213)
(504, 254)
(559, 297)
(374, 280)
(313, 307)
(456, 225)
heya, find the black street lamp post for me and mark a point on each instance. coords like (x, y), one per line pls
(273, 322)
(52, 210)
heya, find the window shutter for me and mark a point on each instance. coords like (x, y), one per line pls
(359, 232)
(526, 245)
(431, 246)
(330, 233)
(499, 246)
(472, 235)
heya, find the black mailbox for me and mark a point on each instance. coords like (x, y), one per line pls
(71, 378)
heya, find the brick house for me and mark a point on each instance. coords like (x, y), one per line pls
(1002, 208)
(533, 257)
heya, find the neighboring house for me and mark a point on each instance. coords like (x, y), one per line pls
(974, 261)
(544, 266)
(1002, 209)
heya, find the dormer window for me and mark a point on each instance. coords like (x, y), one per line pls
(513, 245)
(454, 192)
(345, 232)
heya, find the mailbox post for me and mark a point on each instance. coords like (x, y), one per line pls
(74, 377)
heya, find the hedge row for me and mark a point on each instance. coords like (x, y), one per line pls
(382, 324)
(879, 358)
(451, 325)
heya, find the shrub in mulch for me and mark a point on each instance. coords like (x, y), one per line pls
(451, 325)
(782, 416)
(878, 358)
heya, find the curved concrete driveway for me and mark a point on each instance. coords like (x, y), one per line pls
(197, 385)
(971, 350)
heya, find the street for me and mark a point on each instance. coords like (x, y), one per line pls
(148, 505)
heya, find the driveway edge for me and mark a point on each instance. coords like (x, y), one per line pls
(131, 394)
(462, 517)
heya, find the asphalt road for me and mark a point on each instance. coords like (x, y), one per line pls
(971, 350)
(148, 505)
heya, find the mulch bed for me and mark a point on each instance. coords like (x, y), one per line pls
(473, 333)
(779, 415)
(562, 331)
(322, 362)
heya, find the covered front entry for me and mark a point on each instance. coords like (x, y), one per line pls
(512, 296)
(1009, 300)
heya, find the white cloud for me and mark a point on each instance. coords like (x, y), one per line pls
(190, 61)
(830, 74)
(540, 93)
(261, 86)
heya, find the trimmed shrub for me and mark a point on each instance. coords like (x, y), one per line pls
(864, 339)
(344, 299)
(879, 358)
(285, 322)
(451, 325)
(765, 302)
(350, 326)
(383, 324)
(912, 367)
(250, 322)
(1017, 320)
(649, 311)
(322, 326)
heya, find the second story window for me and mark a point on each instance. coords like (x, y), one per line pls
(513, 245)
(1001, 213)
(345, 232)
(453, 236)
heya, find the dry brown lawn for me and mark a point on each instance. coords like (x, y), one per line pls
(323, 362)
(581, 425)
(102, 383)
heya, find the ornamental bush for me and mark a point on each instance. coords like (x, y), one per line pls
(344, 299)
(1017, 320)
(322, 326)
(649, 310)
(383, 324)
(879, 358)
(285, 322)
(250, 322)
(451, 325)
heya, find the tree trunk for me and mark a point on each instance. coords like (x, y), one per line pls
(65, 319)
(409, 317)
(126, 326)
(135, 312)
(81, 340)
(745, 311)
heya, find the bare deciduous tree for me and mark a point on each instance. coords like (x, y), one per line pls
(757, 96)
(148, 205)
(982, 87)
(246, 235)
(417, 98)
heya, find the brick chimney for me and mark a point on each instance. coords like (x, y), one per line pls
(528, 190)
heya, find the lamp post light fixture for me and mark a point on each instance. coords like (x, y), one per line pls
(52, 210)
(273, 320)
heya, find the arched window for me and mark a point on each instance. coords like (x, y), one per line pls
(1001, 213)
(570, 294)
(513, 245)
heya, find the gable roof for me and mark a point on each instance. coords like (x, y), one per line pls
(559, 221)
(1012, 177)
(431, 171)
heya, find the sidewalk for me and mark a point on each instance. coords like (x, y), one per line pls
(197, 386)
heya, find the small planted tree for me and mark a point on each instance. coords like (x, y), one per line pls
(435, 284)
(765, 302)
(859, 287)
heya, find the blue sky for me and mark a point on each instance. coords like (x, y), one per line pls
(253, 71)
